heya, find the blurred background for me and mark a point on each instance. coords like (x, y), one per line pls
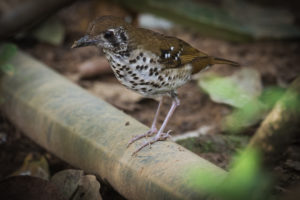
(222, 109)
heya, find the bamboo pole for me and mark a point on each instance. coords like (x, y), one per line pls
(90, 134)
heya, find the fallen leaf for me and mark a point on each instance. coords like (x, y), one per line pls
(236, 90)
(240, 90)
(34, 165)
(88, 188)
(252, 112)
(244, 117)
(94, 67)
(74, 185)
(67, 181)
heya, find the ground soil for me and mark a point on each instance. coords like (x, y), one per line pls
(276, 61)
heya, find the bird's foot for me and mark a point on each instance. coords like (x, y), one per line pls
(149, 133)
(166, 135)
(158, 137)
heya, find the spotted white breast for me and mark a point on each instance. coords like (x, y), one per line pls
(143, 73)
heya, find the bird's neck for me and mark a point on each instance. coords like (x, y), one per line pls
(123, 53)
(120, 57)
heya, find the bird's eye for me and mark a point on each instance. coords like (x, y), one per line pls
(108, 34)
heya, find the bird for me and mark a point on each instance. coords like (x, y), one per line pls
(149, 63)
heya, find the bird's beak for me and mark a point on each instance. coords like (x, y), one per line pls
(84, 41)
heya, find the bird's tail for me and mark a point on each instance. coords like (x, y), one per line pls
(201, 63)
(215, 60)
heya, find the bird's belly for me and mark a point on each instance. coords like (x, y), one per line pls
(153, 81)
(149, 78)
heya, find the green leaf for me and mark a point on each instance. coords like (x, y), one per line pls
(252, 112)
(271, 95)
(248, 115)
(245, 180)
(236, 90)
(8, 69)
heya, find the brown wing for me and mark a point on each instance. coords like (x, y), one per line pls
(180, 53)
(172, 51)
(175, 53)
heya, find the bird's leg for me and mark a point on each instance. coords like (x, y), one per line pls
(153, 128)
(160, 136)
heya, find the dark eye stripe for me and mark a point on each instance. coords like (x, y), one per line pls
(123, 37)
(108, 34)
(110, 37)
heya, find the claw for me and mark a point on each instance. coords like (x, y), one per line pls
(161, 137)
(167, 134)
(141, 147)
(148, 134)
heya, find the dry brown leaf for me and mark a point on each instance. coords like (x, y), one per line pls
(74, 185)
(34, 165)
(94, 67)
(88, 188)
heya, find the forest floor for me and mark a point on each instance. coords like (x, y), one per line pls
(276, 61)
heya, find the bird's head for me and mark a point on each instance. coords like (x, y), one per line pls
(107, 32)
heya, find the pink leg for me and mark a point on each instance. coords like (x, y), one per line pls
(153, 128)
(160, 136)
